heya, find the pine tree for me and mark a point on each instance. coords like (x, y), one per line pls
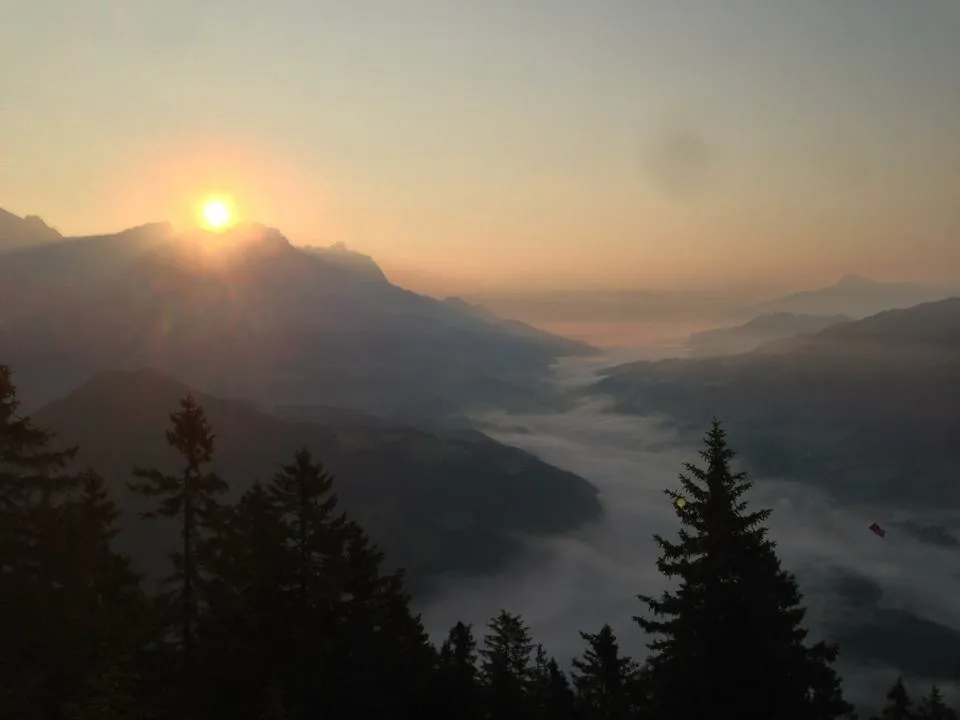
(539, 677)
(243, 632)
(505, 670)
(551, 696)
(29, 468)
(33, 489)
(312, 573)
(303, 495)
(456, 690)
(558, 701)
(380, 642)
(729, 640)
(605, 680)
(899, 704)
(190, 499)
(351, 626)
(104, 617)
(933, 707)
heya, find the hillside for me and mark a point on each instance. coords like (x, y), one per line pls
(436, 504)
(869, 410)
(246, 314)
(516, 328)
(360, 265)
(758, 331)
(17, 232)
(855, 296)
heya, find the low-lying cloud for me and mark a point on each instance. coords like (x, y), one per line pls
(861, 590)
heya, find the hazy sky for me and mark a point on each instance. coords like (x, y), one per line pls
(497, 142)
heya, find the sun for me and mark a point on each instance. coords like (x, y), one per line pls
(216, 213)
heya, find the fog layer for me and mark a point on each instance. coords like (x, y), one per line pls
(565, 584)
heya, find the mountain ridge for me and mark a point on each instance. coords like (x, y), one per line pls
(856, 409)
(854, 295)
(758, 331)
(245, 313)
(26, 231)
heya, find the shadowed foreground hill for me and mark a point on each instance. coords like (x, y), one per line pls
(869, 409)
(435, 504)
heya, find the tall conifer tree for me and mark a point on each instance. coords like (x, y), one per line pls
(729, 639)
(605, 680)
(933, 707)
(244, 631)
(189, 498)
(506, 667)
(457, 674)
(34, 489)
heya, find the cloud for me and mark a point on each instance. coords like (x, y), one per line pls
(679, 162)
(850, 577)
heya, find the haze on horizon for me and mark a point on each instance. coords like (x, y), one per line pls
(480, 147)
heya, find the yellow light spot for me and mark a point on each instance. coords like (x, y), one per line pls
(681, 503)
(216, 214)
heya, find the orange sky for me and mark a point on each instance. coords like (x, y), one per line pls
(481, 146)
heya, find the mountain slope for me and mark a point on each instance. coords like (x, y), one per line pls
(245, 314)
(437, 505)
(519, 329)
(869, 410)
(17, 232)
(856, 296)
(363, 266)
(759, 331)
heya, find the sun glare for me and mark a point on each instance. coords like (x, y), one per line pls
(216, 213)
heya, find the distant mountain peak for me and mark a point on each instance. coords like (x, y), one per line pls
(853, 295)
(854, 280)
(16, 231)
(161, 230)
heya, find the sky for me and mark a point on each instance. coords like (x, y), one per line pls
(505, 144)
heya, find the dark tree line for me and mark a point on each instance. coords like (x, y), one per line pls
(279, 607)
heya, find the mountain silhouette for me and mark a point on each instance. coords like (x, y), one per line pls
(246, 314)
(758, 331)
(867, 410)
(17, 232)
(856, 296)
(362, 265)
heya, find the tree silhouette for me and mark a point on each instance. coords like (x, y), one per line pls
(933, 707)
(312, 572)
(605, 680)
(244, 629)
(555, 699)
(34, 491)
(899, 705)
(350, 625)
(189, 498)
(729, 639)
(105, 619)
(505, 668)
(456, 678)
